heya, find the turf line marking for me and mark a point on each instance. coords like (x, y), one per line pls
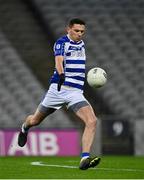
(38, 163)
(52, 165)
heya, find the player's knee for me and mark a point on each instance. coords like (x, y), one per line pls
(92, 123)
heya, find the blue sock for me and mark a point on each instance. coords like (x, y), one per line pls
(85, 155)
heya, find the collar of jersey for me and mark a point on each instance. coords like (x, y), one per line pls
(73, 42)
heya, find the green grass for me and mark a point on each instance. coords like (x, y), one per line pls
(111, 167)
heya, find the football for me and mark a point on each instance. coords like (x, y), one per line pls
(96, 77)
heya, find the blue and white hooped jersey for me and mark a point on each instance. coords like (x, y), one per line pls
(74, 62)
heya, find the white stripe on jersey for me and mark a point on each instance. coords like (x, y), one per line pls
(75, 74)
(74, 81)
(81, 66)
(75, 58)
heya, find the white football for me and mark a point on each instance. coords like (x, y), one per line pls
(96, 77)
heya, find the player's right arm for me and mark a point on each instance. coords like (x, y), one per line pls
(59, 64)
(59, 67)
(59, 59)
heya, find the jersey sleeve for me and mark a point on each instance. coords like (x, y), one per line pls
(59, 48)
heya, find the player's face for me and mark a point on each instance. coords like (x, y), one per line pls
(76, 32)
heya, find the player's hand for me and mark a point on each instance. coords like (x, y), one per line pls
(61, 81)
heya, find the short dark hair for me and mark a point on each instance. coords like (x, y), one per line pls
(76, 21)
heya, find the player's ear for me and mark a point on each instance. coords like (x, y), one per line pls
(67, 29)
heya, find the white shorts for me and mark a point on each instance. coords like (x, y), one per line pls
(68, 96)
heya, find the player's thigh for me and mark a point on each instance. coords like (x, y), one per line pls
(81, 107)
(86, 114)
(41, 113)
(45, 111)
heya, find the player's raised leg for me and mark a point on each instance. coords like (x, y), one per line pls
(86, 114)
(30, 121)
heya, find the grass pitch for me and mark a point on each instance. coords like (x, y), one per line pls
(111, 167)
